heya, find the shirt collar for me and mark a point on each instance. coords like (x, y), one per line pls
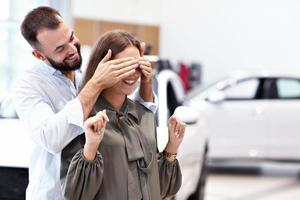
(51, 70)
(128, 108)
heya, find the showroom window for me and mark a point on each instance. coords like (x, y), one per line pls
(14, 50)
(242, 90)
(288, 88)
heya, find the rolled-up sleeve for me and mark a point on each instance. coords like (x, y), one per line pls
(49, 129)
(84, 177)
(152, 106)
(169, 176)
(74, 106)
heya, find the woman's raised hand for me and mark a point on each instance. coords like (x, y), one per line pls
(176, 133)
(94, 131)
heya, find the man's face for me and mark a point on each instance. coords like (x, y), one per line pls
(65, 65)
(60, 47)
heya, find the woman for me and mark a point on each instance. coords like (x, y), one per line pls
(117, 157)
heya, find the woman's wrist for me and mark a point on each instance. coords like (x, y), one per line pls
(171, 148)
(169, 156)
(90, 151)
(170, 152)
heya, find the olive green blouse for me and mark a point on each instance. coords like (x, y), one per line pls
(127, 165)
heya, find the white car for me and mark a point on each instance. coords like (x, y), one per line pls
(192, 152)
(15, 148)
(252, 116)
(16, 145)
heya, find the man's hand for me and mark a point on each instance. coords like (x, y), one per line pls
(109, 72)
(146, 78)
(94, 131)
(146, 69)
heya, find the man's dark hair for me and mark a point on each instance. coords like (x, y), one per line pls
(36, 19)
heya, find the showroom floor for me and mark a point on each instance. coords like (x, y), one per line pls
(272, 182)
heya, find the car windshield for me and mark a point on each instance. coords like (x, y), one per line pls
(202, 92)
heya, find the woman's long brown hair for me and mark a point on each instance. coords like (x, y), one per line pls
(116, 41)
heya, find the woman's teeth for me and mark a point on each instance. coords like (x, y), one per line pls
(129, 82)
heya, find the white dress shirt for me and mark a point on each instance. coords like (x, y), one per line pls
(46, 101)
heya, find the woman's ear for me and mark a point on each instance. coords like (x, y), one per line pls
(38, 55)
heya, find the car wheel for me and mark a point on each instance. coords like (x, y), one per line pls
(200, 190)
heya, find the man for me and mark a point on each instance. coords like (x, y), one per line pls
(48, 100)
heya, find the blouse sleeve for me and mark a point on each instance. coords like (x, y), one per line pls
(84, 177)
(169, 176)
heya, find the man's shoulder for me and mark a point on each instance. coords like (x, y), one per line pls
(35, 73)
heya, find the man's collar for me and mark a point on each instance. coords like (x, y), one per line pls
(52, 70)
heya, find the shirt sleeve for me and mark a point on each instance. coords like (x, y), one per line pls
(149, 105)
(169, 176)
(84, 177)
(52, 131)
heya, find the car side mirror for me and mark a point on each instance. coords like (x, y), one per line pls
(186, 114)
(216, 97)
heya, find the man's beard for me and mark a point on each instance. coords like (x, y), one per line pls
(64, 66)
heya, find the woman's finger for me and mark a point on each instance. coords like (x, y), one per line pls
(171, 124)
(95, 125)
(182, 130)
(105, 118)
(177, 127)
(100, 123)
(98, 127)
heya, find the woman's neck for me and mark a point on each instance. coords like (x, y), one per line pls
(116, 100)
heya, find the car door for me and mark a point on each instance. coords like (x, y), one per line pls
(170, 94)
(283, 116)
(237, 125)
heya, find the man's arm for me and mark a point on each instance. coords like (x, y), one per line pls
(53, 130)
(145, 94)
(146, 91)
(146, 77)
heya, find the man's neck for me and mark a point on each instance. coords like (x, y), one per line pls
(70, 75)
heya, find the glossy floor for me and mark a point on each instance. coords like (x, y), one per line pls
(271, 182)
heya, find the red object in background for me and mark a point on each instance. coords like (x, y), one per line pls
(184, 73)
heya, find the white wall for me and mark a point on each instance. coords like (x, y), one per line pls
(227, 35)
(223, 35)
(131, 11)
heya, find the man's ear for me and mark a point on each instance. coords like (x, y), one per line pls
(38, 55)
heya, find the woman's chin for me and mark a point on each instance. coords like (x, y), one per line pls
(128, 92)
